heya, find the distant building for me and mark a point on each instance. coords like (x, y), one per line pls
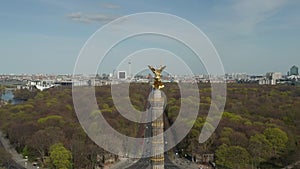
(237, 78)
(274, 75)
(122, 75)
(294, 71)
(39, 84)
(271, 78)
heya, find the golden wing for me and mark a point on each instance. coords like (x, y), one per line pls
(162, 68)
(151, 68)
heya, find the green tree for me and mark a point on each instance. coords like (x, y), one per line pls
(60, 157)
(25, 151)
(277, 138)
(225, 134)
(51, 120)
(2, 88)
(43, 139)
(260, 148)
(24, 94)
(172, 113)
(234, 157)
(5, 158)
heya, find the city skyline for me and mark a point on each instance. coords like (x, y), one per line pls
(251, 37)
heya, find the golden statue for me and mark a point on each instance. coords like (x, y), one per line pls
(157, 79)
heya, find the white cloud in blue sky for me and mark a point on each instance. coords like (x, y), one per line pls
(90, 18)
(45, 36)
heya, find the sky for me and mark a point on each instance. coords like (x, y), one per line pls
(46, 36)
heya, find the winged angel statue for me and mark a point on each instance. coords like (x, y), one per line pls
(157, 79)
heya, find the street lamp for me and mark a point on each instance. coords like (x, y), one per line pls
(26, 159)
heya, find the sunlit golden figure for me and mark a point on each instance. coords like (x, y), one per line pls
(157, 79)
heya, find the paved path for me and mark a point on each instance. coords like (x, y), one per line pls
(15, 156)
(144, 163)
(292, 165)
(123, 163)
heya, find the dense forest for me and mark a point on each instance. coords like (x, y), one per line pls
(259, 128)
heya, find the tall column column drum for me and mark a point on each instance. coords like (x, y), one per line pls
(157, 104)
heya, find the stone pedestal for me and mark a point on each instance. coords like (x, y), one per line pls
(157, 104)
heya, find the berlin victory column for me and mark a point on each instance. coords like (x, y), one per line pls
(157, 104)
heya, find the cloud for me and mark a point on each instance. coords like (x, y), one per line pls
(91, 18)
(111, 6)
(244, 17)
(251, 13)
